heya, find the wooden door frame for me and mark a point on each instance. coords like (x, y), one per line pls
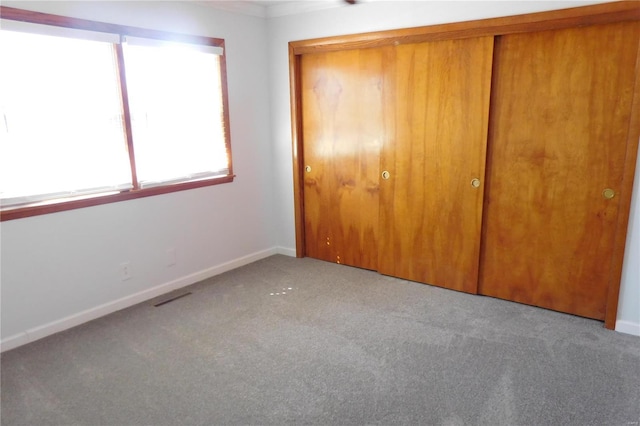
(556, 19)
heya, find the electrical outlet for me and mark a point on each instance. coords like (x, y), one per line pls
(171, 256)
(125, 271)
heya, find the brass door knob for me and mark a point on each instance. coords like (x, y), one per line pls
(475, 183)
(307, 169)
(608, 193)
(386, 175)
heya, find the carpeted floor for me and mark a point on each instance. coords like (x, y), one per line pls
(300, 341)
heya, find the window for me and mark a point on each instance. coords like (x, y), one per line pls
(175, 94)
(62, 134)
(95, 113)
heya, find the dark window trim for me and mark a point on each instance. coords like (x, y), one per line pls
(53, 206)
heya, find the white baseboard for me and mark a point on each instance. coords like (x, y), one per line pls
(62, 324)
(291, 252)
(628, 327)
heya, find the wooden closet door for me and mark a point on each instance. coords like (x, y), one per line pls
(436, 112)
(560, 116)
(342, 135)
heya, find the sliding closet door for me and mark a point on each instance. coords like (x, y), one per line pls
(342, 135)
(560, 118)
(433, 161)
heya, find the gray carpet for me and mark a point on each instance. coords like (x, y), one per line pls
(342, 346)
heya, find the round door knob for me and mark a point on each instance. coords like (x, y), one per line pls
(307, 169)
(608, 193)
(475, 183)
(386, 175)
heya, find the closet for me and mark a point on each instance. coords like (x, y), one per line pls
(342, 105)
(436, 109)
(561, 105)
(493, 157)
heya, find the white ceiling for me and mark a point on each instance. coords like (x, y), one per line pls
(273, 8)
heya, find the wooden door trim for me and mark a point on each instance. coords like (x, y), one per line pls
(556, 19)
(296, 137)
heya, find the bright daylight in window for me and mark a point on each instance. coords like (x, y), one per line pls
(175, 97)
(63, 129)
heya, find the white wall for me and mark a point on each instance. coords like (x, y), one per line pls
(629, 301)
(63, 268)
(385, 15)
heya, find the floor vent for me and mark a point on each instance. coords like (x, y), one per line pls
(164, 302)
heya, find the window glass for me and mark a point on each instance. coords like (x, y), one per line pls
(61, 129)
(175, 99)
